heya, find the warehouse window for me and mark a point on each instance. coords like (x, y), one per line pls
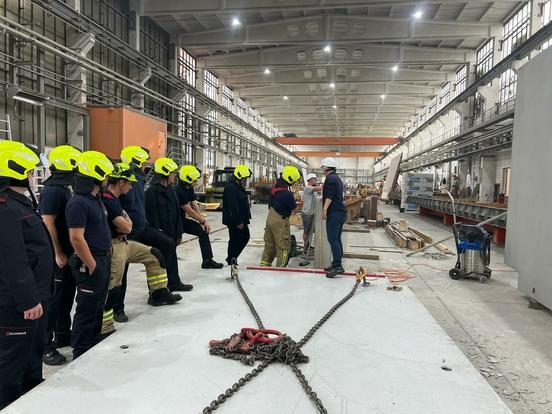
(484, 58)
(210, 158)
(185, 118)
(445, 94)
(240, 108)
(546, 19)
(227, 97)
(456, 121)
(514, 32)
(187, 67)
(461, 79)
(252, 116)
(210, 85)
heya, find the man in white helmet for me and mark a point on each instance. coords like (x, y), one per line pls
(307, 213)
(335, 214)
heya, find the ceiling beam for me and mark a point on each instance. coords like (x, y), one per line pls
(348, 154)
(344, 75)
(337, 140)
(309, 110)
(359, 55)
(172, 7)
(335, 29)
(295, 101)
(341, 89)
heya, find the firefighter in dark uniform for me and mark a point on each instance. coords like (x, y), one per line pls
(126, 251)
(277, 236)
(53, 200)
(91, 238)
(26, 275)
(133, 203)
(163, 215)
(236, 213)
(196, 224)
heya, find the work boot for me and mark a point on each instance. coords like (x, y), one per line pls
(162, 297)
(337, 270)
(211, 264)
(328, 269)
(53, 358)
(120, 317)
(180, 287)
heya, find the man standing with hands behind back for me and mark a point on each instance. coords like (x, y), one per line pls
(333, 211)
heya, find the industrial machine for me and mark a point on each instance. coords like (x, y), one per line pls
(473, 245)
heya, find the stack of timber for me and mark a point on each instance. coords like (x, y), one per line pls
(409, 238)
(400, 233)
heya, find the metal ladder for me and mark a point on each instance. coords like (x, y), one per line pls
(7, 128)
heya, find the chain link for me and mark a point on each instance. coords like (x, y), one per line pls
(285, 351)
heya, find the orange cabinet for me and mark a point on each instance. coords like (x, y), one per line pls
(112, 128)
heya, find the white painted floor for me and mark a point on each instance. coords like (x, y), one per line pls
(382, 352)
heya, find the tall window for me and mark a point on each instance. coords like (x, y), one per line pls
(252, 116)
(461, 79)
(445, 94)
(210, 85)
(484, 58)
(514, 32)
(185, 118)
(546, 19)
(456, 121)
(210, 158)
(240, 108)
(187, 67)
(227, 97)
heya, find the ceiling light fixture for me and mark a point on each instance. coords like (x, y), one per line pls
(418, 14)
(383, 96)
(395, 68)
(332, 85)
(267, 71)
(334, 107)
(328, 49)
(285, 97)
(236, 22)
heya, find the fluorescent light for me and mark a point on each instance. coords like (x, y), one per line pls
(236, 22)
(332, 85)
(328, 49)
(27, 100)
(285, 97)
(383, 96)
(267, 71)
(418, 14)
(395, 68)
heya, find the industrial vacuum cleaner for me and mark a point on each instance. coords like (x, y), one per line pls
(473, 246)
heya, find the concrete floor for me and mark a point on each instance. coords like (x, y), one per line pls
(395, 361)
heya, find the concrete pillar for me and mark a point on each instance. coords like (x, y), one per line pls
(82, 43)
(487, 179)
(322, 251)
(141, 76)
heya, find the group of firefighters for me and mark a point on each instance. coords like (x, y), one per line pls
(93, 219)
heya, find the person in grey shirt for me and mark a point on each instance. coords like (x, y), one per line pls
(307, 213)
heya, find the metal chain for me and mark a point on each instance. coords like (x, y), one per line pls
(285, 351)
(236, 278)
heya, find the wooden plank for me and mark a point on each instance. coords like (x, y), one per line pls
(423, 236)
(355, 230)
(363, 256)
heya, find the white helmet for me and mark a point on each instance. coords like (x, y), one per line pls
(311, 176)
(329, 163)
